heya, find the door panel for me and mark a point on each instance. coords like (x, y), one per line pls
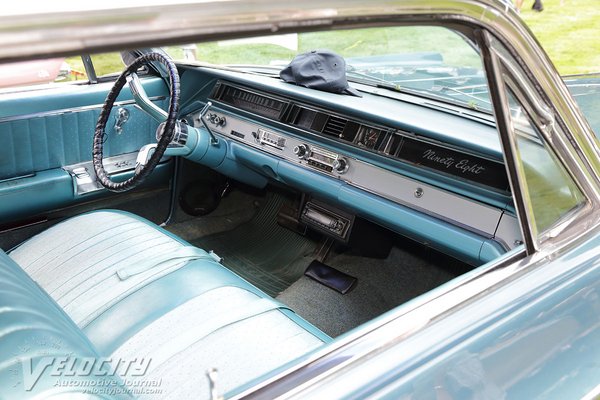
(44, 131)
(54, 140)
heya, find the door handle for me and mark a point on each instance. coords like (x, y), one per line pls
(120, 119)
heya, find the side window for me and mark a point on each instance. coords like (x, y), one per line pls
(39, 74)
(550, 189)
(106, 64)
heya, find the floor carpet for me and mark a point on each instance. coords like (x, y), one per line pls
(267, 255)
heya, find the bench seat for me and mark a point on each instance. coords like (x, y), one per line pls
(129, 289)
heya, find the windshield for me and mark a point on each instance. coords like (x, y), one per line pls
(586, 91)
(426, 60)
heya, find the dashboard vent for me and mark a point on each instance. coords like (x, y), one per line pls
(335, 126)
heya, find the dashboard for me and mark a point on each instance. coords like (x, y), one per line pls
(393, 143)
(377, 170)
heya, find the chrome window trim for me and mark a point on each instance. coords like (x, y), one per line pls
(548, 124)
(89, 68)
(208, 21)
(593, 394)
(498, 94)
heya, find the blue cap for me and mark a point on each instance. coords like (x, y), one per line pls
(321, 70)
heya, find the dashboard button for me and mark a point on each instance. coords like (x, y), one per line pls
(301, 151)
(340, 165)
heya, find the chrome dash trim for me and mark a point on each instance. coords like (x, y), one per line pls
(457, 210)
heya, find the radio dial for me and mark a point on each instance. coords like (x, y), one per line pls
(340, 165)
(301, 151)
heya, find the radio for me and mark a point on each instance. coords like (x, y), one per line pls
(322, 159)
(326, 219)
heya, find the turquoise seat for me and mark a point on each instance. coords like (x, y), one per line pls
(121, 288)
(36, 333)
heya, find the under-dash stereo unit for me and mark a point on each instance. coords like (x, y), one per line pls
(327, 219)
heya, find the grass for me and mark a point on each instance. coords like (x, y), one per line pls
(348, 43)
(104, 64)
(568, 30)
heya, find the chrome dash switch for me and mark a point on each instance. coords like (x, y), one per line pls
(301, 151)
(267, 138)
(340, 165)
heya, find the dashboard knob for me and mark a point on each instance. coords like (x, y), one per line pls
(215, 119)
(301, 150)
(340, 165)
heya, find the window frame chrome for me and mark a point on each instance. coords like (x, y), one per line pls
(573, 141)
(553, 241)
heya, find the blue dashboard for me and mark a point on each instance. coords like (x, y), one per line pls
(419, 167)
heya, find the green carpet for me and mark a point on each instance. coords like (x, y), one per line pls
(262, 252)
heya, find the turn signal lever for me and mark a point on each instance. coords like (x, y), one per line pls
(213, 118)
(184, 141)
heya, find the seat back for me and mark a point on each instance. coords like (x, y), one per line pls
(42, 352)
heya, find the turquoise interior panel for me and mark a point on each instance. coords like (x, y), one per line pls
(255, 160)
(490, 250)
(20, 198)
(440, 125)
(443, 236)
(244, 163)
(52, 189)
(46, 129)
(311, 182)
(69, 96)
(64, 138)
(35, 329)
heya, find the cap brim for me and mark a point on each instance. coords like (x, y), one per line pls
(351, 91)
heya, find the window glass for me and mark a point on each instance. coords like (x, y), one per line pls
(57, 70)
(36, 72)
(107, 63)
(550, 189)
(586, 91)
(428, 60)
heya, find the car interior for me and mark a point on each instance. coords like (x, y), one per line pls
(249, 222)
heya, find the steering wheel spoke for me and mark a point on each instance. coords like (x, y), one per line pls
(149, 155)
(144, 154)
(143, 101)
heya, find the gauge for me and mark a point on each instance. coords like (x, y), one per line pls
(369, 137)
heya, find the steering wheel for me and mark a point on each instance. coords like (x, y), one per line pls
(144, 166)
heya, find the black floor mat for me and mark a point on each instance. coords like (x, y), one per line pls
(262, 252)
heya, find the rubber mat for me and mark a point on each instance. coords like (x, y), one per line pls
(262, 252)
